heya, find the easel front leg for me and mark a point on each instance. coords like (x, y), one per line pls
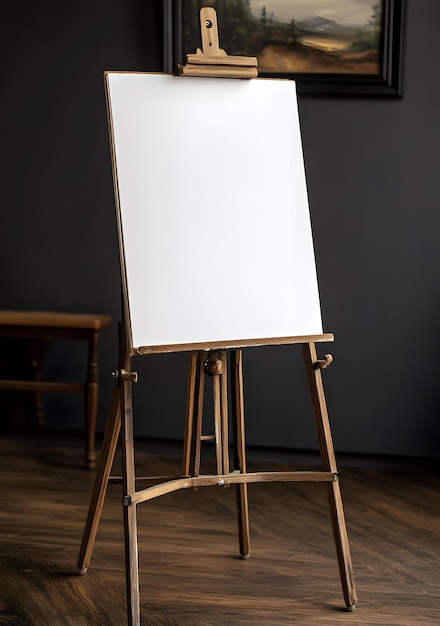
(106, 458)
(313, 368)
(128, 481)
(240, 450)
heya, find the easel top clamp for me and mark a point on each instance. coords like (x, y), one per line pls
(212, 60)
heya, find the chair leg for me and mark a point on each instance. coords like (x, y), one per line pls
(36, 347)
(329, 464)
(237, 398)
(108, 450)
(91, 399)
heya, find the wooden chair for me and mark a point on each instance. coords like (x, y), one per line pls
(38, 327)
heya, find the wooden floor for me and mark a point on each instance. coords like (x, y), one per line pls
(190, 573)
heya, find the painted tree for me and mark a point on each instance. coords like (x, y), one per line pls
(293, 32)
(376, 18)
(376, 23)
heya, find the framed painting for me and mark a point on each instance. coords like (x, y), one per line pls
(327, 46)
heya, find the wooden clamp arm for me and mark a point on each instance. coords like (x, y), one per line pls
(209, 31)
(212, 60)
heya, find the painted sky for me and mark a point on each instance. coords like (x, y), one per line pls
(347, 12)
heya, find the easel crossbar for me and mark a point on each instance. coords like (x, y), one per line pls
(232, 344)
(224, 480)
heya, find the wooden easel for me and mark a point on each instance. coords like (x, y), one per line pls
(206, 358)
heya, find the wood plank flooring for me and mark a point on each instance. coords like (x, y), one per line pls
(190, 571)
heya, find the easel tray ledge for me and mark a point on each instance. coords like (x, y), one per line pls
(231, 344)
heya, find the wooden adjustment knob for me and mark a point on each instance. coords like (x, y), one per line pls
(323, 363)
(131, 376)
(214, 366)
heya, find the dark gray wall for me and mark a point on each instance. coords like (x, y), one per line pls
(374, 193)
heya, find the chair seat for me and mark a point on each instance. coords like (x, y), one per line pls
(39, 326)
(54, 319)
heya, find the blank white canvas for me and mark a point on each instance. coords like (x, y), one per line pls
(214, 209)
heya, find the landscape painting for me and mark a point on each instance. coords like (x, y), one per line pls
(319, 36)
(310, 40)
